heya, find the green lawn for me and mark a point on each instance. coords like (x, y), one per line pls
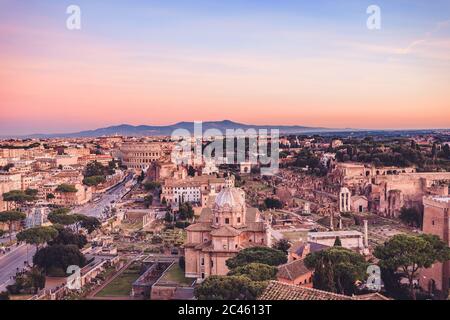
(175, 274)
(121, 286)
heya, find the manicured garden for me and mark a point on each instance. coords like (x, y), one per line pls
(176, 274)
(122, 285)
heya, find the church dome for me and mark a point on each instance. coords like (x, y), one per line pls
(231, 197)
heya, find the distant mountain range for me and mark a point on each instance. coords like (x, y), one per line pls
(144, 130)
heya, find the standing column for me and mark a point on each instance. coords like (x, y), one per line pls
(366, 234)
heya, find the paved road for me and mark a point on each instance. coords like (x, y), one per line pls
(13, 260)
(97, 208)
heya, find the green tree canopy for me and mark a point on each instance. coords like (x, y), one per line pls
(186, 211)
(28, 283)
(63, 219)
(50, 196)
(11, 217)
(409, 253)
(168, 217)
(7, 167)
(66, 188)
(191, 171)
(336, 269)
(337, 242)
(89, 223)
(282, 245)
(182, 263)
(148, 200)
(62, 216)
(31, 192)
(68, 237)
(37, 235)
(94, 180)
(272, 203)
(411, 216)
(95, 168)
(269, 256)
(229, 288)
(55, 259)
(61, 211)
(18, 196)
(307, 159)
(151, 185)
(256, 272)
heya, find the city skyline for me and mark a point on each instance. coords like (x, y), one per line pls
(291, 63)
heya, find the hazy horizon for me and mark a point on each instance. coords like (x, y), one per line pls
(329, 129)
(311, 64)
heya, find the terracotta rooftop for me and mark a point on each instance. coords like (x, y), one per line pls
(225, 231)
(205, 215)
(203, 245)
(254, 226)
(251, 214)
(371, 296)
(292, 270)
(281, 291)
(199, 227)
(298, 247)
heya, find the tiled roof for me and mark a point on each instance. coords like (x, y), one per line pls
(205, 215)
(371, 296)
(250, 215)
(225, 231)
(199, 227)
(190, 245)
(292, 270)
(295, 246)
(281, 291)
(254, 227)
(298, 247)
(203, 245)
(355, 198)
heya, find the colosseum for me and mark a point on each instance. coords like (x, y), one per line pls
(139, 155)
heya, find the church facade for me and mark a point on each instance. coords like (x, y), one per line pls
(222, 230)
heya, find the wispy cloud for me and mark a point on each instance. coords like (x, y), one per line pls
(433, 46)
(427, 39)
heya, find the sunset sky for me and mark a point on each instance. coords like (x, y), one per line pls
(310, 63)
